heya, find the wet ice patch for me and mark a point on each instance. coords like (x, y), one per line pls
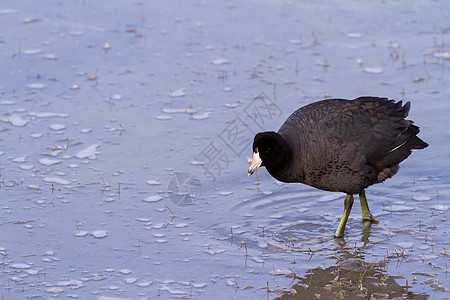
(57, 127)
(186, 234)
(48, 115)
(89, 152)
(174, 292)
(280, 271)
(231, 105)
(178, 110)
(354, 35)
(144, 284)
(440, 207)
(181, 225)
(7, 102)
(15, 120)
(131, 280)
(31, 51)
(152, 199)
(48, 161)
(197, 163)
(221, 61)
(159, 226)
(153, 182)
(177, 94)
(26, 167)
(20, 159)
(405, 245)
(276, 216)
(423, 179)
(20, 266)
(422, 198)
(444, 55)
(54, 153)
(81, 233)
(163, 118)
(36, 86)
(69, 283)
(394, 45)
(50, 56)
(116, 97)
(32, 271)
(374, 70)
(263, 244)
(225, 193)
(143, 219)
(99, 234)
(231, 282)
(56, 180)
(201, 116)
(55, 290)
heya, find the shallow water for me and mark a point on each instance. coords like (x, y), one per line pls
(125, 130)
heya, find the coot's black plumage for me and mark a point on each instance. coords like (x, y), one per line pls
(340, 145)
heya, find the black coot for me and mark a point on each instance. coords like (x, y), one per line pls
(341, 146)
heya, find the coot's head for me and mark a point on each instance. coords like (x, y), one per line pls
(269, 150)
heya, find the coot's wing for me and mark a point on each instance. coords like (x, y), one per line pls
(373, 125)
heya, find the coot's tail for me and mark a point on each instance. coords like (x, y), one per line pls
(405, 144)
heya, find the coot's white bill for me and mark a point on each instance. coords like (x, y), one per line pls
(256, 163)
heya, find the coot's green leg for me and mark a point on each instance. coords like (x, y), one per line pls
(348, 203)
(366, 215)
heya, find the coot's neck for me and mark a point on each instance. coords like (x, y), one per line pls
(279, 167)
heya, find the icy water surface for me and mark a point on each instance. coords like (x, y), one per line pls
(125, 132)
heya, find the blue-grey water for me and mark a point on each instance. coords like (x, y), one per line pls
(125, 133)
